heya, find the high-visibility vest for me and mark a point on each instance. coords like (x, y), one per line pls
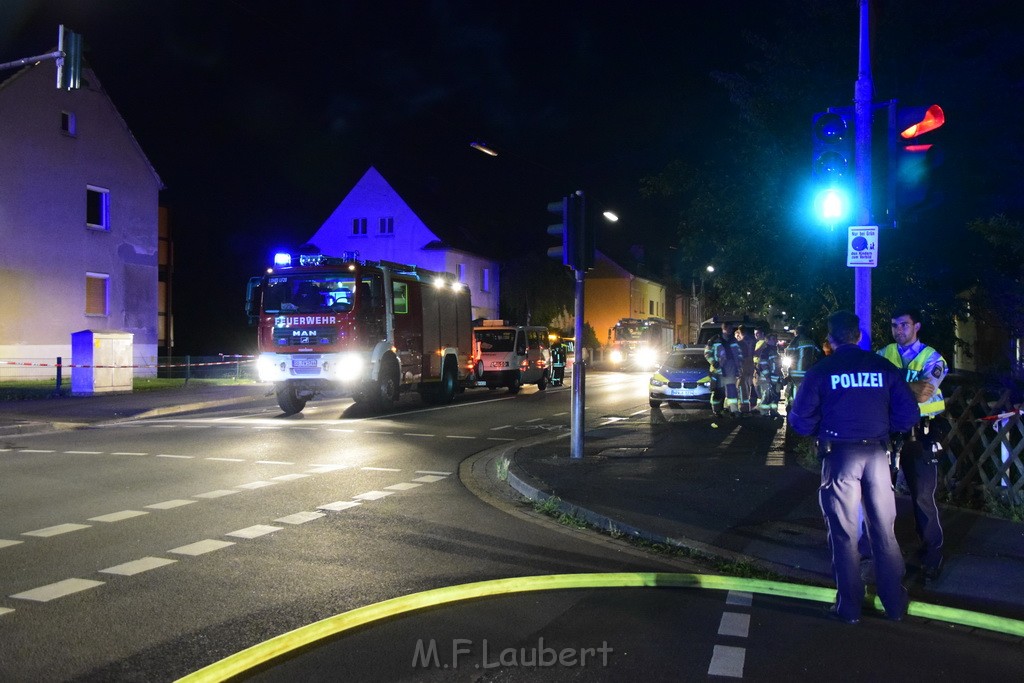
(915, 369)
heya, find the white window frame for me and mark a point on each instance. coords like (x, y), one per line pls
(485, 279)
(359, 227)
(386, 226)
(104, 216)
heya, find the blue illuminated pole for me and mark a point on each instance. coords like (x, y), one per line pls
(863, 94)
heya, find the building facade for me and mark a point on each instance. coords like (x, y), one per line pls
(78, 220)
(376, 222)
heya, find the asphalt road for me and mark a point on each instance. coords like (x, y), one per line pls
(147, 550)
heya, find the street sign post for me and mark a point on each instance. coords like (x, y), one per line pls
(862, 246)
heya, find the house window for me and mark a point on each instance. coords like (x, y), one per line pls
(485, 280)
(97, 208)
(650, 308)
(67, 123)
(387, 226)
(96, 293)
(460, 270)
(358, 226)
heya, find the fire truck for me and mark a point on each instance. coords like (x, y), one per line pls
(372, 328)
(640, 344)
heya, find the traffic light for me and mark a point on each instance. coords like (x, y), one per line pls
(69, 67)
(832, 167)
(563, 230)
(578, 243)
(912, 156)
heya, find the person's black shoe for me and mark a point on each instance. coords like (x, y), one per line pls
(833, 614)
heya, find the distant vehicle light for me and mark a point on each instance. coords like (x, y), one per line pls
(439, 282)
(647, 357)
(616, 356)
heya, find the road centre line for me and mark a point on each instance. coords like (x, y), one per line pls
(183, 457)
(727, 661)
(734, 624)
(380, 469)
(56, 530)
(227, 459)
(128, 453)
(138, 566)
(84, 452)
(457, 436)
(416, 434)
(53, 591)
(443, 474)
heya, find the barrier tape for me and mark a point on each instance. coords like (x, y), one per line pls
(1000, 416)
(248, 359)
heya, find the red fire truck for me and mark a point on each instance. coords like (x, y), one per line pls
(372, 328)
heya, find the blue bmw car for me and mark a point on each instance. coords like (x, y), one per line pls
(682, 378)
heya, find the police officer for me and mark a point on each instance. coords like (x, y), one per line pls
(851, 401)
(925, 369)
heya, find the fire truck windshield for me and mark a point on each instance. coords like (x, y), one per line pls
(309, 294)
(629, 333)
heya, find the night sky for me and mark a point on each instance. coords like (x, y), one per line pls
(259, 116)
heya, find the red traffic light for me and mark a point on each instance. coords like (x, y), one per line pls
(932, 118)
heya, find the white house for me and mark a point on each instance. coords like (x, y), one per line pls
(375, 221)
(78, 219)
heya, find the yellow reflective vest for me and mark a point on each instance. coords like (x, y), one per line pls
(915, 371)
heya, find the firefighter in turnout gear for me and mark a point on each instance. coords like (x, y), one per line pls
(766, 362)
(851, 401)
(925, 369)
(724, 360)
(800, 355)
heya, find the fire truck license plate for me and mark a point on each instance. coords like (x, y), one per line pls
(304, 362)
(499, 364)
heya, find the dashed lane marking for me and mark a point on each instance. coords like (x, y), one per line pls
(734, 624)
(84, 452)
(339, 505)
(491, 438)
(456, 436)
(36, 450)
(443, 474)
(496, 429)
(138, 566)
(380, 469)
(56, 530)
(291, 477)
(739, 598)
(335, 429)
(216, 494)
(428, 478)
(57, 590)
(405, 486)
(254, 531)
(118, 516)
(227, 459)
(5, 543)
(128, 453)
(201, 547)
(300, 517)
(727, 441)
(170, 504)
(256, 484)
(372, 495)
(417, 434)
(273, 462)
(727, 661)
(5, 610)
(182, 457)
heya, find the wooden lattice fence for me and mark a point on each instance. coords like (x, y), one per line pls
(983, 456)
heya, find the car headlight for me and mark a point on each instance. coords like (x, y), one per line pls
(655, 382)
(616, 356)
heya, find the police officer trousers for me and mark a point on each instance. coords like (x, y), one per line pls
(855, 475)
(922, 476)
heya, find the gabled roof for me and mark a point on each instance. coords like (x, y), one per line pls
(437, 204)
(91, 83)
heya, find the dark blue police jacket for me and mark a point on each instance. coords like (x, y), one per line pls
(853, 394)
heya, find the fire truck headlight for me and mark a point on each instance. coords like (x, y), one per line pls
(616, 356)
(266, 368)
(647, 357)
(348, 367)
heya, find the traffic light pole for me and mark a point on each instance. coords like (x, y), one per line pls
(862, 102)
(578, 375)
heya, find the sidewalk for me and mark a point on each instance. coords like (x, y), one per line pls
(20, 418)
(758, 506)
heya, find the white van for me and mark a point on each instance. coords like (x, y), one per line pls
(507, 355)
